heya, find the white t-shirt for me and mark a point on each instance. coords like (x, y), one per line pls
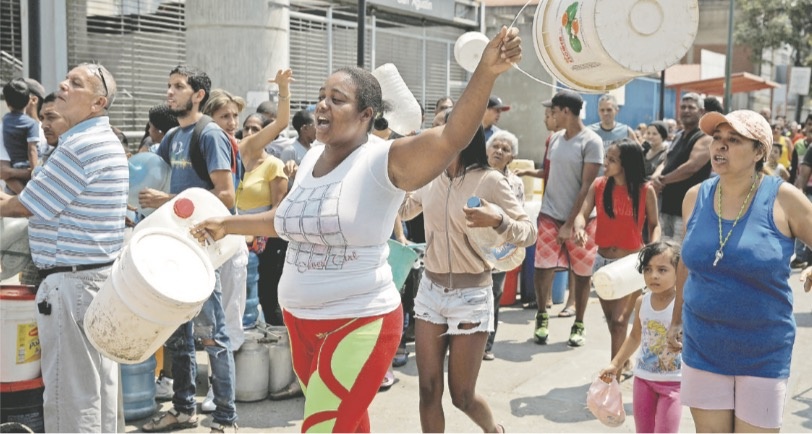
(338, 226)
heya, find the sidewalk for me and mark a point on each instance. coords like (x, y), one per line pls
(531, 388)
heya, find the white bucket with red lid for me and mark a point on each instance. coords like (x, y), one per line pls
(185, 210)
(160, 281)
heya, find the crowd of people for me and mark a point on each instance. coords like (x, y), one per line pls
(659, 193)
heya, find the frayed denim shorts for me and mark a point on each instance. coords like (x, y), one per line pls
(455, 307)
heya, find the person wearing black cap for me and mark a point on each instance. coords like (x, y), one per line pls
(576, 155)
(491, 116)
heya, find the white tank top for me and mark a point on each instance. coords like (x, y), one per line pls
(655, 362)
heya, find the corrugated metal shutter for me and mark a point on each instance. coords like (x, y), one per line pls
(139, 41)
(313, 39)
(11, 42)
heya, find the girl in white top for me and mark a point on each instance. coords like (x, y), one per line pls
(658, 369)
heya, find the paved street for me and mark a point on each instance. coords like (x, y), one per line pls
(532, 388)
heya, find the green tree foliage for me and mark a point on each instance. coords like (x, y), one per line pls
(765, 24)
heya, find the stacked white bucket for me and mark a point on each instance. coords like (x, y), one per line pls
(160, 280)
(596, 46)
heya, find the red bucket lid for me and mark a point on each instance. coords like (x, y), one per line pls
(19, 386)
(17, 292)
(184, 208)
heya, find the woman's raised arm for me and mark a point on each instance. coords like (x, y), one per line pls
(254, 144)
(414, 161)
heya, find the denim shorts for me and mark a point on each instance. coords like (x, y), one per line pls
(601, 262)
(453, 307)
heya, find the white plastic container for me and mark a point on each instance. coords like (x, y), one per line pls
(19, 338)
(500, 254)
(403, 111)
(468, 49)
(618, 279)
(188, 208)
(160, 281)
(597, 46)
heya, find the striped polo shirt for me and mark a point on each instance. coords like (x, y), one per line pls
(79, 198)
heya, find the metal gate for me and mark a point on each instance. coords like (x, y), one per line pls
(139, 41)
(324, 38)
(11, 42)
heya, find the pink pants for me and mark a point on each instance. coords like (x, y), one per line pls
(656, 406)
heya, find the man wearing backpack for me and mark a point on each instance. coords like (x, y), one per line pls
(200, 155)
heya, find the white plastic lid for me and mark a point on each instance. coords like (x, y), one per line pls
(646, 35)
(173, 265)
(468, 49)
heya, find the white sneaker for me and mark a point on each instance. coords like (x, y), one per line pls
(163, 388)
(208, 405)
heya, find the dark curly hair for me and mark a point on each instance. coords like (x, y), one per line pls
(657, 248)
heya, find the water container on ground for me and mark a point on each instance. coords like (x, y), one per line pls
(19, 335)
(527, 284)
(21, 402)
(249, 318)
(511, 284)
(160, 281)
(138, 389)
(597, 46)
(281, 362)
(252, 366)
(560, 285)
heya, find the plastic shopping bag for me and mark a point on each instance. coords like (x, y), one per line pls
(605, 401)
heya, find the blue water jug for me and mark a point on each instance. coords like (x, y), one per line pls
(249, 318)
(560, 284)
(138, 389)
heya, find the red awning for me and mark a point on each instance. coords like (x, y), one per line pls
(739, 82)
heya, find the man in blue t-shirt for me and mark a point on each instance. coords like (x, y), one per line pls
(20, 135)
(186, 94)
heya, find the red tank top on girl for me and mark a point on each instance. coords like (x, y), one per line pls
(622, 231)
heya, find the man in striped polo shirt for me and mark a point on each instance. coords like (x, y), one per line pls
(76, 204)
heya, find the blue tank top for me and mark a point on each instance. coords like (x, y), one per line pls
(737, 316)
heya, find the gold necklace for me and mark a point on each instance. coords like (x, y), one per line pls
(719, 254)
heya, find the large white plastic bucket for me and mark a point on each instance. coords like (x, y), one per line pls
(159, 282)
(19, 337)
(596, 46)
(618, 279)
(185, 210)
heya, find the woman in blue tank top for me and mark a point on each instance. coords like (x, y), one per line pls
(734, 302)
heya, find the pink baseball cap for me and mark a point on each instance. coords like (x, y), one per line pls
(746, 122)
